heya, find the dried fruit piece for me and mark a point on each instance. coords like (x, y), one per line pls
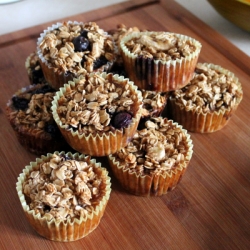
(121, 119)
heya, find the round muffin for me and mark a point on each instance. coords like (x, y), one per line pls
(64, 196)
(159, 61)
(69, 49)
(155, 160)
(34, 69)
(29, 113)
(207, 103)
(98, 113)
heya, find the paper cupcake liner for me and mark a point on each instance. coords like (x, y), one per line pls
(35, 140)
(71, 229)
(202, 122)
(101, 143)
(151, 185)
(54, 77)
(157, 75)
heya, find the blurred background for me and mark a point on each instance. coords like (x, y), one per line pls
(26, 13)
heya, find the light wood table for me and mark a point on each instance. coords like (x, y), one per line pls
(209, 209)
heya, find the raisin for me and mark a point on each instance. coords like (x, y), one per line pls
(99, 62)
(81, 43)
(121, 119)
(20, 103)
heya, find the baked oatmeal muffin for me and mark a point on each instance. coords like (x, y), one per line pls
(98, 113)
(34, 69)
(29, 113)
(69, 49)
(207, 103)
(155, 160)
(64, 195)
(159, 61)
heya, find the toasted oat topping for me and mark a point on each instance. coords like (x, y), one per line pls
(157, 148)
(58, 48)
(62, 188)
(160, 46)
(90, 105)
(209, 90)
(153, 102)
(38, 112)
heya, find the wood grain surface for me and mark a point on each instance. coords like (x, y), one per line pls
(210, 207)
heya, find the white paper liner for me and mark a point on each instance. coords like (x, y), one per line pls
(100, 144)
(70, 230)
(56, 78)
(158, 75)
(209, 122)
(152, 185)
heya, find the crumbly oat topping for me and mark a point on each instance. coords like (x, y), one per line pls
(159, 147)
(38, 112)
(160, 46)
(58, 48)
(90, 105)
(153, 102)
(209, 90)
(63, 188)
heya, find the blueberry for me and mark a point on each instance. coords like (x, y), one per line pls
(99, 62)
(121, 119)
(84, 33)
(20, 103)
(81, 43)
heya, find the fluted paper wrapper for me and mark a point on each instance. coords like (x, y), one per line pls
(151, 185)
(70, 230)
(99, 143)
(54, 77)
(201, 122)
(158, 75)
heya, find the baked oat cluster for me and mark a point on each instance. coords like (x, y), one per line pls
(209, 90)
(160, 46)
(77, 47)
(153, 103)
(97, 104)
(159, 147)
(62, 188)
(32, 107)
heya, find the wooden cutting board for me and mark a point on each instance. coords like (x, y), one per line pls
(209, 209)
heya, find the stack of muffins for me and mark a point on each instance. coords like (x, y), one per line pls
(108, 94)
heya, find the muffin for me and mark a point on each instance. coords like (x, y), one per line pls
(207, 103)
(159, 61)
(69, 49)
(64, 196)
(155, 159)
(34, 69)
(29, 113)
(98, 113)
